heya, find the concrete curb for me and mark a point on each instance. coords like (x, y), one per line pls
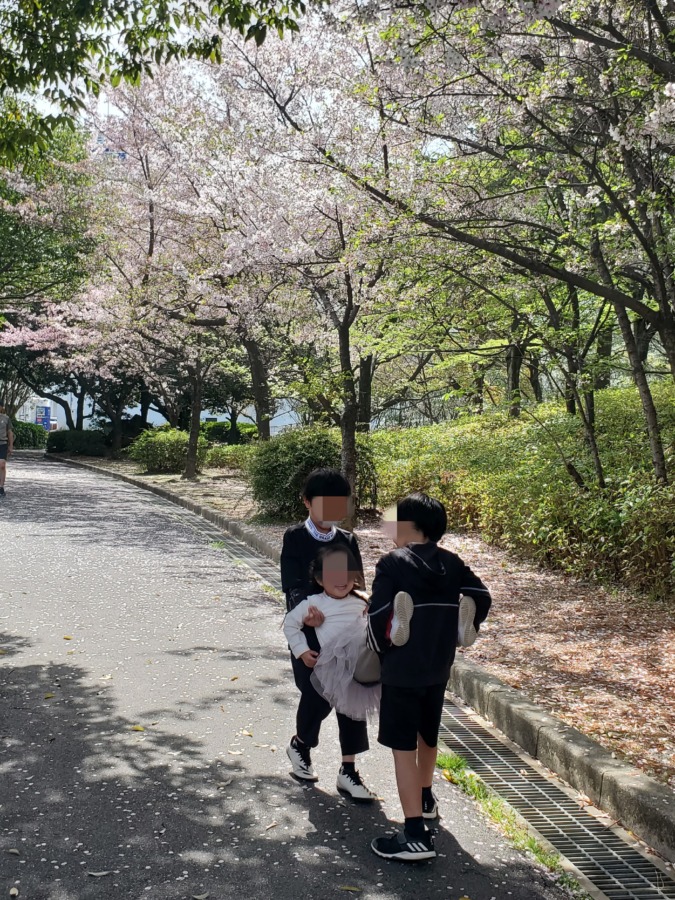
(641, 804)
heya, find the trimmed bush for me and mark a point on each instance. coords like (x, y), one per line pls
(79, 443)
(505, 479)
(28, 436)
(220, 433)
(229, 456)
(278, 469)
(166, 451)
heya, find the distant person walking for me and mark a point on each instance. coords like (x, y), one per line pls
(6, 445)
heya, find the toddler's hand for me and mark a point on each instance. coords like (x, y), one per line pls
(309, 657)
(314, 617)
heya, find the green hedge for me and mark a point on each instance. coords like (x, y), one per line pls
(505, 479)
(28, 436)
(79, 443)
(229, 456)
(278, 468)
(166, 450)
(219, 433)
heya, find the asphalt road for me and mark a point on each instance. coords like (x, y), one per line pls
(146, 702)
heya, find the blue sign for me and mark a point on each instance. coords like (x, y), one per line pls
(43, 416)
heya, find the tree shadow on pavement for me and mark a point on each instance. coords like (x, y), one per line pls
(82, 792)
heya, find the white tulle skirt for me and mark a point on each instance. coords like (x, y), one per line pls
(333, 675)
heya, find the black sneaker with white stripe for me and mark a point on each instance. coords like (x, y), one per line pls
(404, 847)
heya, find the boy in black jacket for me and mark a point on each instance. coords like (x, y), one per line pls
(326, 496)
(415, 675)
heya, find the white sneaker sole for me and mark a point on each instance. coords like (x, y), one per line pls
(466, 633)
(400, 625)
(432, 814)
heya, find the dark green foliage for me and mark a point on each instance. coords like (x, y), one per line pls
(79, 443)
(278, 469)
(221, 433)
(166, 450)
(28, 436)
(505, 479)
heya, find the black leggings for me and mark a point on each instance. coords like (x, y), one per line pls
(313, 709)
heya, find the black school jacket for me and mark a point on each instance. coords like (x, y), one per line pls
(298, 552)
(434, 578)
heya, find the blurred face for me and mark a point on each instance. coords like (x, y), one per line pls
(327, 511)
(401, 533)
(336, 579)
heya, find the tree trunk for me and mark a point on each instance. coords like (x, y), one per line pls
(184, 416)
(195, 423)
(262, 400)
(349, 416)
(146, 402)
(648, 407)
(603, 358)
(514, 364)
(234, 435)
(534, 375)
(365, 410)
(477, 396)
(79, 411)
(65, 406)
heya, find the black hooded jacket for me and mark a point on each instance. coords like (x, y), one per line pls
(434, 578)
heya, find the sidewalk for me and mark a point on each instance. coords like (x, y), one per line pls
(601, 661)
(641, 804)
(146, 699)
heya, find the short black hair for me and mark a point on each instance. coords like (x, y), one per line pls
(426, 514)
(326, 483)
(316, 569)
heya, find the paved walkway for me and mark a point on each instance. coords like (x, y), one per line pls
(117, 614)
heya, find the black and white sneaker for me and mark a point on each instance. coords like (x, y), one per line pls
(429, 807)
(350, 783)
(466, 632)
(400, 623)
(301, 760)
(402, 846)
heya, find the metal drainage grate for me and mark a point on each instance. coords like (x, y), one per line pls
(614, 867)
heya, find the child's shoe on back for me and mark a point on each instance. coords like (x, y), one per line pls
(466, 631)
(399, 631)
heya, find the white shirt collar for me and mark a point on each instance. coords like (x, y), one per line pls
(319, 535)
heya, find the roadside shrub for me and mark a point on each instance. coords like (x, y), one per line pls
(79, 443)
(505, 478)
(229, 456)
(28, 436)
(220, 433)
(278, 469)
(166, 451)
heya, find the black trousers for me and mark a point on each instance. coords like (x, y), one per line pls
(313, 709)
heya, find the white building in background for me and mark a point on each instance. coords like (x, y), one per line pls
(39, 411)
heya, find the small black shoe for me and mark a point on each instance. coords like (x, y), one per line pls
(2, 492)
(402, 846)
(429, 807)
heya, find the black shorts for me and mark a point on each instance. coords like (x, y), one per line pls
(406, 712)
(3, 451)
